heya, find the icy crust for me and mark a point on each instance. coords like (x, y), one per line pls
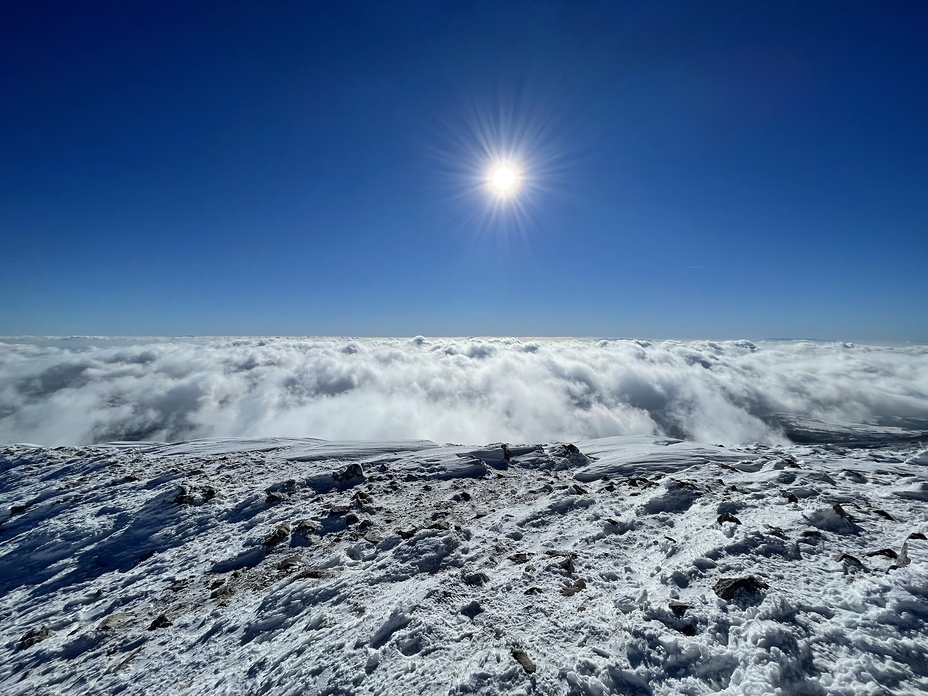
(621, 565)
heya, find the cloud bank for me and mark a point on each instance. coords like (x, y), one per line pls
(81, 391)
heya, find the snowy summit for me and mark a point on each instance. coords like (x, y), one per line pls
(626, 565)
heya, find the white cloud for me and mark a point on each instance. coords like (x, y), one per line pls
(460, 390)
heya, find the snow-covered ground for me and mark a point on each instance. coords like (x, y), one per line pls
(631, 565)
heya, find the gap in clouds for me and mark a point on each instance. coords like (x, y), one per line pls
(91, 390)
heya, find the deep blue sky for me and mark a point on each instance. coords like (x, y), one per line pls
(697, 169)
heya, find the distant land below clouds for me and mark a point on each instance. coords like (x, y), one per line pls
(84, 390)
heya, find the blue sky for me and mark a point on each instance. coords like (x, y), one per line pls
(692, 170)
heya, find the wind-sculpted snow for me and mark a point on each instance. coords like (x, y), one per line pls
(79, 391)
(639, 565)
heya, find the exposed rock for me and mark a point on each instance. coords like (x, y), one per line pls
(33, 636)
(746, 588)
(352, 472)
(523, 659)
(851, 564)
(679, 608)
(790, 496)
(282, 533)
(471, 609)
(571, 590)
(113, 621)
(889, 553)
(727, 517)
(520, 557)
(162, 621)
(476, 579)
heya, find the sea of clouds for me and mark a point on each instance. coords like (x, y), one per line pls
(86, 390)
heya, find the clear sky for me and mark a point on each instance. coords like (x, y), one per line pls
(685, 169)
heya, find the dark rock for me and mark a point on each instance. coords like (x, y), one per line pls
(571, 449)
(273, 497)
(407, 533)
(889, 553)
(282, 533)
(162, 621)
(523, 659)
(747, 588)
(463, 495)
(148, 554)
(727, 517)
(851, 564)
(571, 590)
(353, 471)
(19, 509)
(533, 591)
(471, 609)
(362, 498)
(688, 630)
(33, 636)
(222, 592)
(679, 608)
(884, 514)
(902, 560)
(790, 496)
(337, 510)
(351, 518)
(476, 579)
(568, 565)
(520, 557)
(577, 489)
(918, 535)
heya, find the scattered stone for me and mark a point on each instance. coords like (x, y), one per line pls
(463, 495)
(177, 585)
(113, 621)
(471, 609)
(902, 560)
(739, 588)
(162, 621)
(351, 518)
(884, 514)
(362, 498)
(33, 636)
(476, 579)
(790, 496)
(572, 449)
(577, 489)
(533, 591)
(889, 553)
(727, 517)
(568, 565)
(282, 533)
(918, 535)
(521, 656)
(353, 471)
(337, 510)
(290, 562)
(406, 533)
(571, 590)
(679, 608)
(688, 630)
(520, 557)
(273, 497)
(222, 592)
(851, 564)
(775, 531)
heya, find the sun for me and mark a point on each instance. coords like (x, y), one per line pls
(504, 180)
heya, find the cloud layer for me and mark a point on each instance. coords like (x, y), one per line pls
(80, 391)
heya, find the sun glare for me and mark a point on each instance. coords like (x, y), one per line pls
(504, 180)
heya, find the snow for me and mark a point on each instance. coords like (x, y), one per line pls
(634, 564)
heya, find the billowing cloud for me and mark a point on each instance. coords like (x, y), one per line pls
(79, 391)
